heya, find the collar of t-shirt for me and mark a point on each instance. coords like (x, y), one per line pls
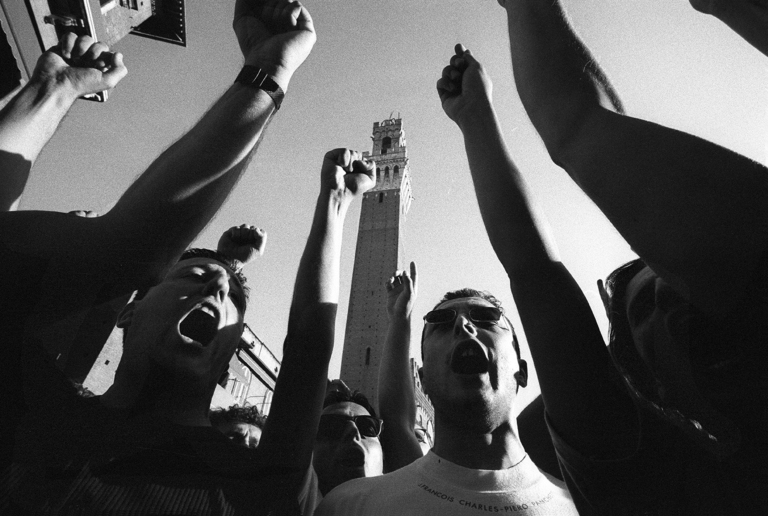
(518, 477)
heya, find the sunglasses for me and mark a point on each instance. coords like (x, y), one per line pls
(333, 426)
(477, 314)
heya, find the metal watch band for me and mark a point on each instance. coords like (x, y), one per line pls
(258, 78)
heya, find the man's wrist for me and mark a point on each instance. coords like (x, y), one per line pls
(478, 113)
(259, 79)
(53, 89)
(279, 74)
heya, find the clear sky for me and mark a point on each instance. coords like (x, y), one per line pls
(670, 64)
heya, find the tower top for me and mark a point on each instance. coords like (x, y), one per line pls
(388, 139)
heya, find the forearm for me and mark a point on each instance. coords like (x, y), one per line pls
(397, 402)
(558, 80)
(317, 281)
(397, 399)
(290, 430)
(516, 234)
(187, 184)
(27, 122)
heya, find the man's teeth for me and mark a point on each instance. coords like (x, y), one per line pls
(208, 311)
(468, 353)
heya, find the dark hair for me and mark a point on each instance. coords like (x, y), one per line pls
(482, 294)
(236, 414)
(721, 440)
(621, 343)
(338, 392)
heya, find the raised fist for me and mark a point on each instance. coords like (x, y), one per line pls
(242, 243)
(401, 293)
(464, 86)
(275, 35)
(80, 63)
(347, 174)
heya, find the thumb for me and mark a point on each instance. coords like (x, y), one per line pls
(117, 70)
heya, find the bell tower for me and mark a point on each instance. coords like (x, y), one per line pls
(379, 253)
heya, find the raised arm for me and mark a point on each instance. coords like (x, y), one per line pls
(694, 212)
(75, 67)
(397, 401)
(189, 182)
(289, 434)
(748, 18)
(584, 405)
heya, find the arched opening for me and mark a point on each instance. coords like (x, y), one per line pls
(368, 356)
(386, 144)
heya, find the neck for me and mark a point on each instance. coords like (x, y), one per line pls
(478, 448)
(161, 393)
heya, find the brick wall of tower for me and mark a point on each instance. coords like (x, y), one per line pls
(378, 255)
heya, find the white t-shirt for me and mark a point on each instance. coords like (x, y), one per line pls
(432, 485)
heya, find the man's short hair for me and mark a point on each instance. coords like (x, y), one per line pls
(237, 414)
(338, 392)
(482, 294)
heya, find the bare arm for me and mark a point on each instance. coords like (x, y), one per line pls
(695, 212)
(575, 371)
(397, 401)
(748, 18)
(189, 182)
(75, 67)
(289, 434)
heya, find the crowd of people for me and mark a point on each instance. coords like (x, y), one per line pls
(668, 418)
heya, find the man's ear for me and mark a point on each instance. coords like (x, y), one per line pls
(125, 317)
(522, 375)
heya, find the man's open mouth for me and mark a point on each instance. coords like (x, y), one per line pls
(200, 325)
(469, 358)
(353, 458)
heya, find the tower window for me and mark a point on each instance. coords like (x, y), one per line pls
(381, 197)
(367, 356)
(397, 170)
(386, 144)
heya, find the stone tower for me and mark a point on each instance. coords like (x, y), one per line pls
(379, 253)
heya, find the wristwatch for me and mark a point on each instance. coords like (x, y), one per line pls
(257, 78)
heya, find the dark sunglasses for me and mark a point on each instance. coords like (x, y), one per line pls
(333, 426)
(477, 314)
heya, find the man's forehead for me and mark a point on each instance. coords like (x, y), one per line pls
(348, 408)
(464, 301)
(189, 263)
(206, 264)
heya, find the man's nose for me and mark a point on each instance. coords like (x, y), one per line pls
(217, 286)
(463, 324)
(351, 433)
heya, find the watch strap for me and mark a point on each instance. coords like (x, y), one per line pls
(257, 78)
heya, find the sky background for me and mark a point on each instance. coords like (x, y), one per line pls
(670, 65)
